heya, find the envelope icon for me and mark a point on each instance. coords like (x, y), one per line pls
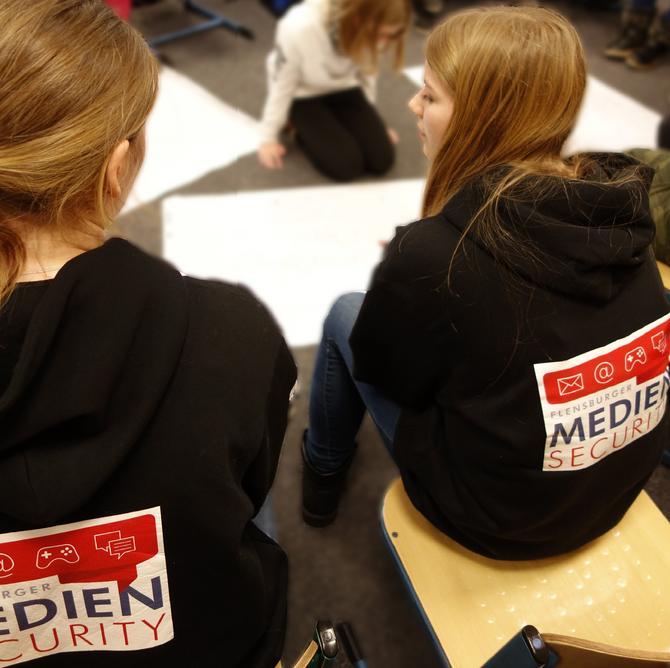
(570, 384)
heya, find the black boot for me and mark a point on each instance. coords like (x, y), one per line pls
(656, 48)
(321, 492)
(635, 24)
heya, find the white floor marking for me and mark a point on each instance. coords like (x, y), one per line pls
(297, 249)
(415, 74)
(609, 120)
(189, 133)
(612, 121)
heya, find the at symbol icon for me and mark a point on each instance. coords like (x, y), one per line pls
(604, 373)
(6, 565)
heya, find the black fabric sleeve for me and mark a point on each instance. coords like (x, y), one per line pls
(260, 475)
(400, 339)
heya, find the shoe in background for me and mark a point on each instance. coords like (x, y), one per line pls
(635, 25)
(427, 13)
(655, 49)
(321, 492)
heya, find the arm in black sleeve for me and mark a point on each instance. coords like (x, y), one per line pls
(260, 475)
(400, 341)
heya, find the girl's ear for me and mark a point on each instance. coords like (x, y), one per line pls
(116, 167)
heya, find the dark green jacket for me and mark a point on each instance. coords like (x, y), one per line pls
(659, 197)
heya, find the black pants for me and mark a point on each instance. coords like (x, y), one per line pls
(664, 133)
(342, 134)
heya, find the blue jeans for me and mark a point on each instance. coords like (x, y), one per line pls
(337, 402)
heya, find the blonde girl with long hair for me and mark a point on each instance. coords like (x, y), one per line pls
(513, 344)
(141, 411)
(322, 79)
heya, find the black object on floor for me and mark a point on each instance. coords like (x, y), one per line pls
(345, 634)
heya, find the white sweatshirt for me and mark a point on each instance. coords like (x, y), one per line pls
(305, 63)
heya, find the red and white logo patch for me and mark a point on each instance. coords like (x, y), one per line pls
(99, 585)
(603, 400)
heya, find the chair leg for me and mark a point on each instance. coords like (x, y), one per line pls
(212, 21)
(221, 21)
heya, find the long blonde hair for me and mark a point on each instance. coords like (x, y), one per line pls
(517, 77)
(359, 23)
(75, 81)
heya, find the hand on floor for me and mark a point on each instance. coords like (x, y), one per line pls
(271, 154)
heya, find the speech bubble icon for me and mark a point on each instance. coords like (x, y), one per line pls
(140, 544)
(658, 342)
(122, 546)
(102, 540)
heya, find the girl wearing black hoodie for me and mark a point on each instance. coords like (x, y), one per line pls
(513, 344)
(141, 411)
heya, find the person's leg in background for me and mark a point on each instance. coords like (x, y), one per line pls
(336, 409)
(329, 145)
(636, 19)
(664, 133)
(657, 46)
(366, 126)
(427, 13)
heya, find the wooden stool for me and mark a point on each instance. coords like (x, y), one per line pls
(664, 271)
(612, 595)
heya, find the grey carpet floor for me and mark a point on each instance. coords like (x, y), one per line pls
(343, 572)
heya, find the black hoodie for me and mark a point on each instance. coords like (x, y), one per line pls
(532, 384)
(126, 387)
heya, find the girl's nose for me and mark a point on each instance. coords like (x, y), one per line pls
(414, 105)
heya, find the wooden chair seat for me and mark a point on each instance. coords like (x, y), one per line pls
(613, 593)
(664, 271)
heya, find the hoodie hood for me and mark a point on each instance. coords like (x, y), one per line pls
(580, 236)
(99, 352)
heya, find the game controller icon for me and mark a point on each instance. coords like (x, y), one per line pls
(47, 555)
(634, 357)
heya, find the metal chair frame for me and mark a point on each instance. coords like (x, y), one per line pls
(212, 20)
